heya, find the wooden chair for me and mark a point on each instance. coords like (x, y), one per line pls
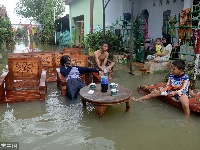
(80, 60)
(24, 80)
(47, 64)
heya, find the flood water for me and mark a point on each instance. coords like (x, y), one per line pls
(62, 124)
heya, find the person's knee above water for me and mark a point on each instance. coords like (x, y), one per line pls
(176, 87)
(72, 75)
(101, 58)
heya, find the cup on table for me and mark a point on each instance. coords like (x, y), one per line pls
(113, 92)
(113, 85)
(93, 86)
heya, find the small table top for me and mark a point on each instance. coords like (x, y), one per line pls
(123, 95)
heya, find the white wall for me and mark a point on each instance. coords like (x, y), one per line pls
(113, 11)
(156, 14)
(126, 6)
(187, 3)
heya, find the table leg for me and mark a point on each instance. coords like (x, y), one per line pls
(83, 102)
(127, 105)
(100, 109)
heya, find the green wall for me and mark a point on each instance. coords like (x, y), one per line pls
(82, 7)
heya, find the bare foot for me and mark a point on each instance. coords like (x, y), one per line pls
(134, 99)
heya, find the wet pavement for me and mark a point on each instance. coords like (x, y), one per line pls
(59, 123)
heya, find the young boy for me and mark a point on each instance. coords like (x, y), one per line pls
(101, 58)
(72, 75)
(177, 86)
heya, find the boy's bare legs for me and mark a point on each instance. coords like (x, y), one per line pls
(185, 104)
(154, 93)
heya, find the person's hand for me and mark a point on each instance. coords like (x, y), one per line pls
(172, 93)
(101, 68)
(162, 89)
(73, 63)
(101, 73)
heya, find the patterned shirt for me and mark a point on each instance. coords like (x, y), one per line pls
(178, 83)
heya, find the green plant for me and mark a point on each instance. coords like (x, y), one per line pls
(6, 34)
(92, 40)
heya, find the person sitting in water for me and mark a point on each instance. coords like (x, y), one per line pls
(101, 59)
(72, 75)
(166, 50)
(176, 87)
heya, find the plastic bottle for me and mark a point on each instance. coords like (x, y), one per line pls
(105, 71)
(104, 80)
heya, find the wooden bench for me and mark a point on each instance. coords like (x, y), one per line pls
(24, 80)
(80, 60)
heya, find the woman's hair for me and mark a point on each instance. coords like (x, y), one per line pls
(168, 39)
(180, 64)
(65, 60)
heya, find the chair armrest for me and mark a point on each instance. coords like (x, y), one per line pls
(42, 86)
(3, 77)
(96, 77)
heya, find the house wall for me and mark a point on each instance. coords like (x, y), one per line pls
(113, 11)
(116, 8)
(82, 7)
(156, 15)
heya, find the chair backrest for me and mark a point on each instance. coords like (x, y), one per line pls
(24, 72)
(77, 50)
(14, 55)
(80, 60)
(47, 59)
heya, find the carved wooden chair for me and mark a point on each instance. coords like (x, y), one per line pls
(47, 64)
(24, 80)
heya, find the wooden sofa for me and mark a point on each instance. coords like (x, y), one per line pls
(24, 80)
(49, 60)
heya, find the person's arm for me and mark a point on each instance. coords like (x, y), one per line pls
(167, 50)
(65, 70)
(106, 59)
(168, 85)
(184, 86)
(97, 60)
(86, 69)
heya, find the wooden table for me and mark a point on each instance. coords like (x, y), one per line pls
(101, 100)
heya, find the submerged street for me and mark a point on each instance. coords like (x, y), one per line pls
(59, 123)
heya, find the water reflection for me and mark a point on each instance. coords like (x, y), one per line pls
(58, 123)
